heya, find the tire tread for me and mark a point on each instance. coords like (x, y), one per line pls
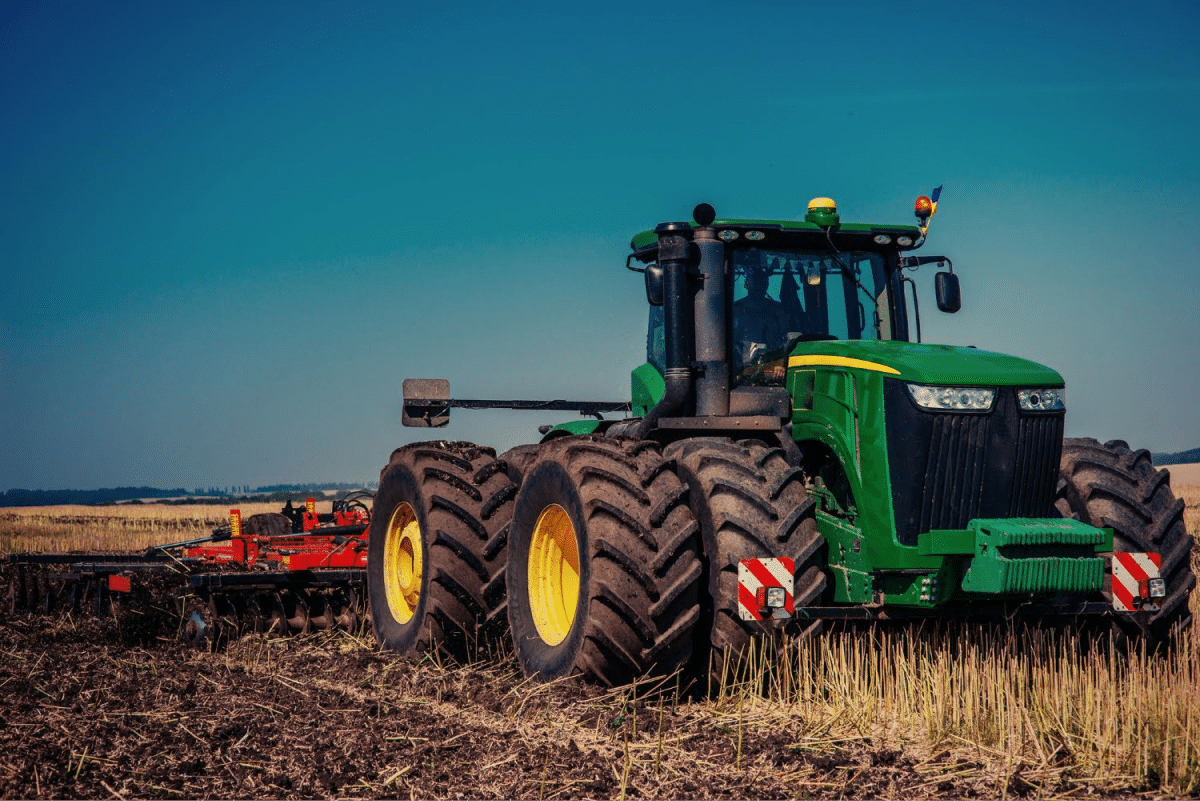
(1113, 486)
(467, 499)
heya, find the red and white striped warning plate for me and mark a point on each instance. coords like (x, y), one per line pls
(756, 574)
(1128, 571)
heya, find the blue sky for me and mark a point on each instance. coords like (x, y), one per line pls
(229, 231)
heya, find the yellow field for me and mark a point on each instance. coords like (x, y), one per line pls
(1191, 496)
(120, 528)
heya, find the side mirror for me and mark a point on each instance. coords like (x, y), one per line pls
(654, 284)
(949, 296)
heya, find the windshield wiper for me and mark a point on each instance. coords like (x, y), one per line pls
(846, 271)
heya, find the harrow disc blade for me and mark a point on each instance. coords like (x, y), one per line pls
(320, 611)
(18, 596)
(346, 609)
(254, 618)
(297, 613)
(276, 616)
(198, 629)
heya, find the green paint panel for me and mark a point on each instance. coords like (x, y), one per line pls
(929, 590)
(939, 364)
(647, 387)
(852, 581)
(940, 541)
(903, 589)
(574, 427)
(801, 386)
(846, 430)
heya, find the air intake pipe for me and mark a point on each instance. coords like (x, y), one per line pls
(674, 256)
(712, 383)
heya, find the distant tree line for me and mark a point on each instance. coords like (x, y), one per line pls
(1183, 457)
(214, 495)
(24, 497)
(328, 485)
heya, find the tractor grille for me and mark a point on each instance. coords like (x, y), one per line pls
(954, 471)
(1039, 450)
(949, 467)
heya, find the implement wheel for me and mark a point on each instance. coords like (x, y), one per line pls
(604, 572)
(437, 549)
(1112, 486)
(750, 503)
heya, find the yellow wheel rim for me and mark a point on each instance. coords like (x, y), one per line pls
(553, 574)
(402, 563)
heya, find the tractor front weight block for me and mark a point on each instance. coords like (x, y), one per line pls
(1022, 556)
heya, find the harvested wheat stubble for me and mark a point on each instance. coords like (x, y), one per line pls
(82, 715)
(101, 708)
(123, 527)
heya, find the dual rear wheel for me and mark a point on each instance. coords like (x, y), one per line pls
(750, 503)
(1112, 485)
(621, 561)
(437, 549)
(604, 575)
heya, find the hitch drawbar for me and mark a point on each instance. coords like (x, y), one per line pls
(427, 404)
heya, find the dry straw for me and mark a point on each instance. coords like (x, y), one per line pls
(119, 528)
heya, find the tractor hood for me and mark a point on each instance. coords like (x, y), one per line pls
(926, 364)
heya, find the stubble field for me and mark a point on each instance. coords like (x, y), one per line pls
(89, 708)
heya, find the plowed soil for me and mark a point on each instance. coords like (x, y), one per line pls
(91, 709)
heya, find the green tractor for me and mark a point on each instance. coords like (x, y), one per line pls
(791, 454)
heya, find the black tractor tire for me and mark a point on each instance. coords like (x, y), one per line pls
(639, 572)
(1112, 486)
(270, 524)
(462, 502)
(517, 460)
(750, 503)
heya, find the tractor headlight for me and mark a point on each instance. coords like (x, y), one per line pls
(970, 399)
(1043, 400)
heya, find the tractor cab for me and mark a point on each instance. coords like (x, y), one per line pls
(780, 298)
(781, 284)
